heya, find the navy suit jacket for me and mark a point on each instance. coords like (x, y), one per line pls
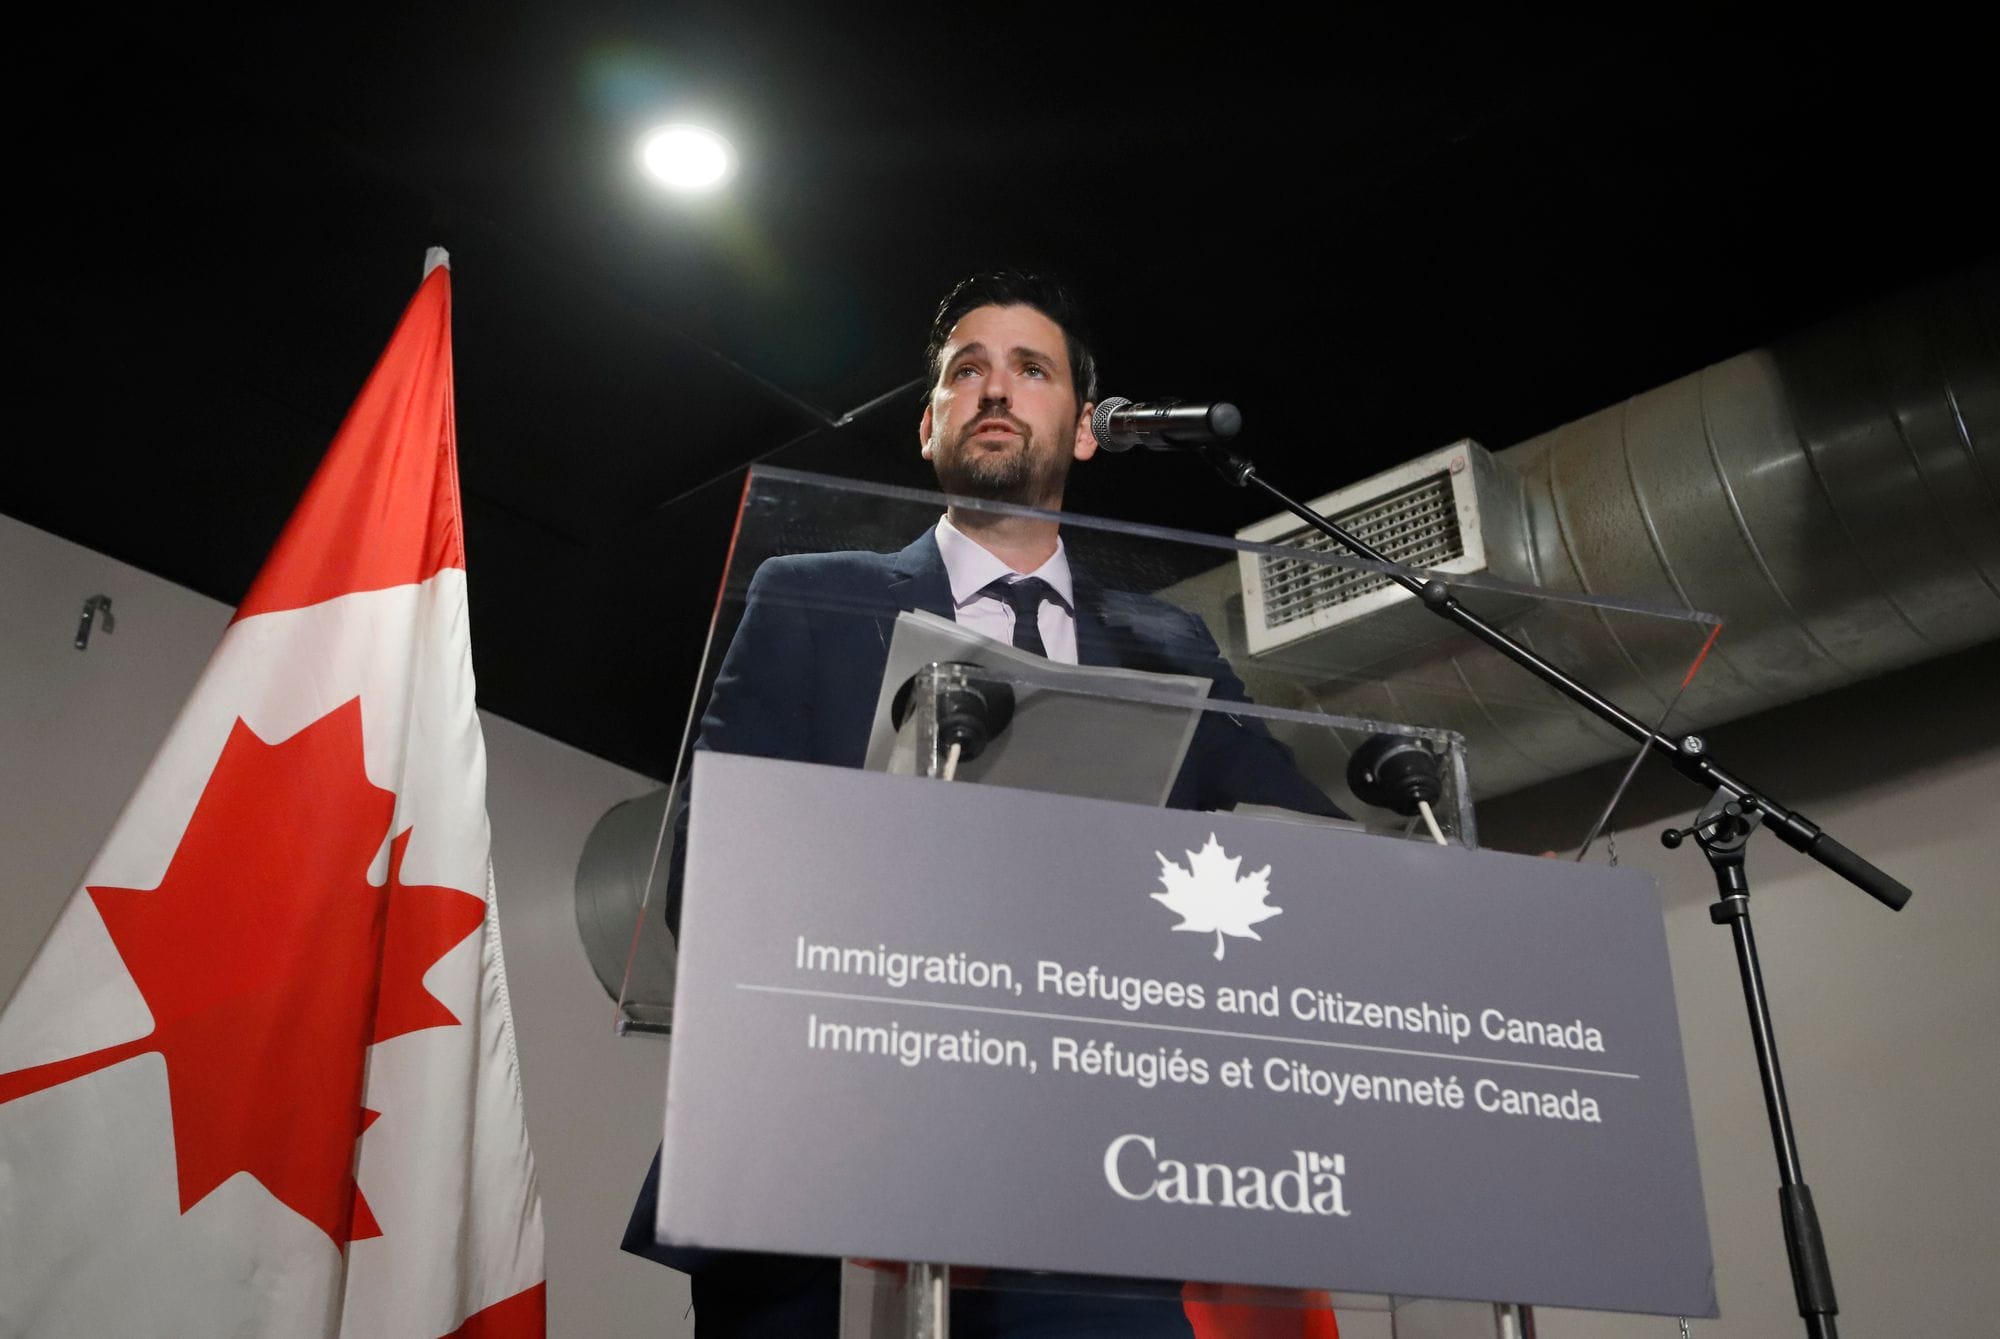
(802, 675)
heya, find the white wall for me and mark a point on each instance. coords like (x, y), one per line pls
(76, 730)
(1886, 1021)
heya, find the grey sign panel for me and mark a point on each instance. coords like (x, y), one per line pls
(930, 1021)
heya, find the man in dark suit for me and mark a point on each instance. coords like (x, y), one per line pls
(1012, 388)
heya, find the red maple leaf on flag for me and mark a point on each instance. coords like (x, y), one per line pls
(271, 964)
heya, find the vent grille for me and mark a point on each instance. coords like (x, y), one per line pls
(1417, 526)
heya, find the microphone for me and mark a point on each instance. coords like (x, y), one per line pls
(971, 715)
(1396, 773)
(1168, 425)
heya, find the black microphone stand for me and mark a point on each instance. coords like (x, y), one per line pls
(1735, 810)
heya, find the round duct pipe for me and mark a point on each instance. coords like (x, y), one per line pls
(1834, 498)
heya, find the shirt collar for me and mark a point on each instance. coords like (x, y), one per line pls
(971, 569)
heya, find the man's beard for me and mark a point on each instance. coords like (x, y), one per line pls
(1016, 475)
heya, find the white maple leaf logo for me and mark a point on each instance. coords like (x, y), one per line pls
(1210, 899)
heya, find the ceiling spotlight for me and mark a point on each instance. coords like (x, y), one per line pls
(687, 158)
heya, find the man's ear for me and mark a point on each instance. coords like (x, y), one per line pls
(924, 429)
(1086, 440)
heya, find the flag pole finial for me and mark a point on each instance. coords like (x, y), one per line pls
(435, 257)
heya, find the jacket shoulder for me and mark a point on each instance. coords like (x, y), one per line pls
(799, 572)
(1150, 616)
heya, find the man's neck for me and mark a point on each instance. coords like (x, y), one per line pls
(1021, 542)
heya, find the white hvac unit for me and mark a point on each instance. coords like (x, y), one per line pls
(1455, 512)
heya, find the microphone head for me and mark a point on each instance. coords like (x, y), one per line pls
(1393, 772)
(1225, 420)
(1100, 423)
(970, 715)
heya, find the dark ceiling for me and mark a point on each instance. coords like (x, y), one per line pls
(1375, 233)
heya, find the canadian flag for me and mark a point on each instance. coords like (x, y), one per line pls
(261, 1077)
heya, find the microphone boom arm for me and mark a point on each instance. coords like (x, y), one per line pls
(1734, 810)
(1688, 754)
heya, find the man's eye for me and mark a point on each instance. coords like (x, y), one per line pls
(1034, 370)
(964, 369)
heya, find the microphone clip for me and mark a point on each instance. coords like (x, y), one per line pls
(1722, 823)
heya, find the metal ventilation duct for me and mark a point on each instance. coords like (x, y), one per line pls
(1835, 498)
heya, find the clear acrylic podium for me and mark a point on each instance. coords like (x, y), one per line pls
(794, 669)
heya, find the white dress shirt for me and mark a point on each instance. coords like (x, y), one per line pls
(970, 569)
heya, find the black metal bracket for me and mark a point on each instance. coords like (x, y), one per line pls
(95, 607)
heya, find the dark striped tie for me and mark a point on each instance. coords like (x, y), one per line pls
(1025, 598)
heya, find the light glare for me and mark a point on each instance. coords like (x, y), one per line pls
(686, 158)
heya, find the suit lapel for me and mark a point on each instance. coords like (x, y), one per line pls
(917, 578)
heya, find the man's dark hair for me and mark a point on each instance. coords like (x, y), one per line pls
(1017, 288)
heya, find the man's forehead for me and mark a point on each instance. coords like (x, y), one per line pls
(1010, 327)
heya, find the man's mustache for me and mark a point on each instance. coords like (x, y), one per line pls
(967, 433)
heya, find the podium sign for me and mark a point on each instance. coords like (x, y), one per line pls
(929, 1021)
